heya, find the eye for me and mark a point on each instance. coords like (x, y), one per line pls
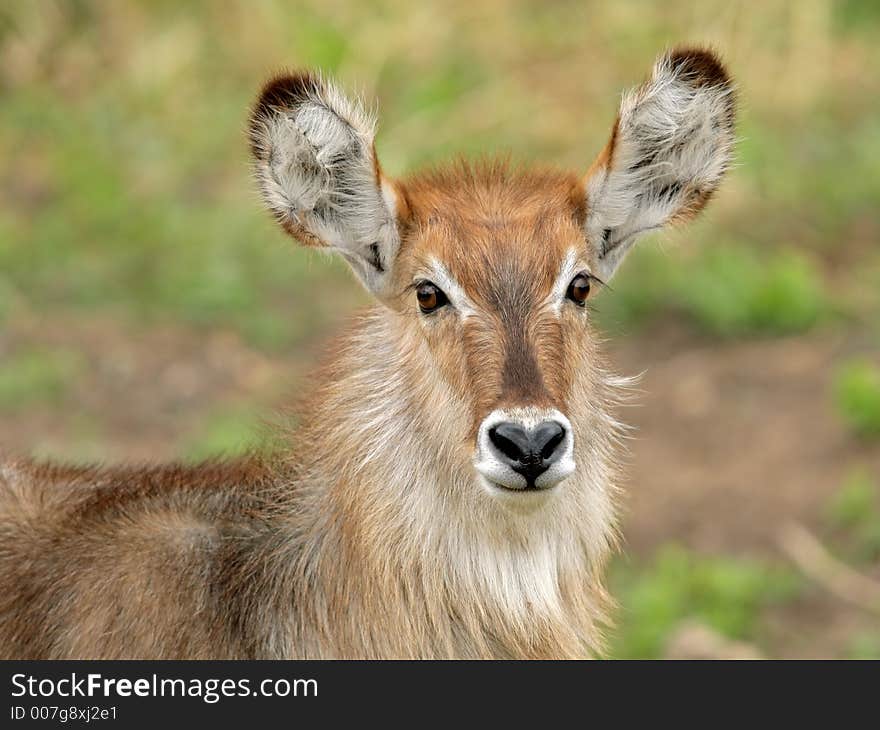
(430, 297)
(579, 289)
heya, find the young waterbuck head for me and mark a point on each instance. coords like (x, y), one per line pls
(487, 271)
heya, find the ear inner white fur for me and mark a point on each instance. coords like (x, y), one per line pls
(670, 149)
(315, 165)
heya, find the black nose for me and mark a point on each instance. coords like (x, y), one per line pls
(529, 452)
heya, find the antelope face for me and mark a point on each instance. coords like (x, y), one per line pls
(495, 272)
(490, 271)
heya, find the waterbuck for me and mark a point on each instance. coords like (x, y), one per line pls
(450, 488)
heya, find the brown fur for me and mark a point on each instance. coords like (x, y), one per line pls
(517, 225)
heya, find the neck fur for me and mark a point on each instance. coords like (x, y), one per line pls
(399, 550)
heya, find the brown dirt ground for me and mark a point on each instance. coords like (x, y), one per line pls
(733, 439)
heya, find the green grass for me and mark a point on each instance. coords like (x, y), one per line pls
(865, 645)
(854, 512)
(727, 594)
(722, 290)
(857, 397)
(37, 377)
(111, 240)
(229, 433)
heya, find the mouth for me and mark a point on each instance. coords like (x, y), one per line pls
(525, 499)
(528, 489)
(525, 495)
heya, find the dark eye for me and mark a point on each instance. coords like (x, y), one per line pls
(430, 297)
(579, 289)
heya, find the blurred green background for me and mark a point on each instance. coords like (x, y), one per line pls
(150, 309)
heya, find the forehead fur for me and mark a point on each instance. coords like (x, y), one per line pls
(490, 216)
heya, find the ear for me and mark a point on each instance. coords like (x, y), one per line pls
(316, 167)
(670, 147)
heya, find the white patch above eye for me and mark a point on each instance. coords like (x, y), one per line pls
(570, 266)
(439, 275)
